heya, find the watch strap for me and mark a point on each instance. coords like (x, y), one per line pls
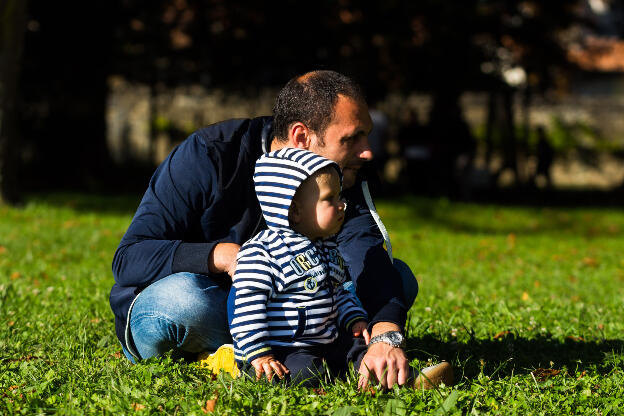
(392, 338)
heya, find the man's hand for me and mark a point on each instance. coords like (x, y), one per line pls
(359, 329)
(384, 362)
(268, 365)
(222, 258)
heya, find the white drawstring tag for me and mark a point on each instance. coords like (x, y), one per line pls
(380, 225)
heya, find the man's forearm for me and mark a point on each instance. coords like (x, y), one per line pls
(381, 327)
(140, 263)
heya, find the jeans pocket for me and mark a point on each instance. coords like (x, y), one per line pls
(301, 321)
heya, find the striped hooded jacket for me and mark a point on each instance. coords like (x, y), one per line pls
(287, 290)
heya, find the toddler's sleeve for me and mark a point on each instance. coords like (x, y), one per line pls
(252, 288)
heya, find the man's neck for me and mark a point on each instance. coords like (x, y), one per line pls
(276, 144)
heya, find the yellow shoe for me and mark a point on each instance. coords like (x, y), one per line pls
(433, 376)
(221, 359)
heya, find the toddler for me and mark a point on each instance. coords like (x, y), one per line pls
(288, 311)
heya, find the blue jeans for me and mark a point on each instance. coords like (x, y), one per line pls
(187, 313)
(184, 312)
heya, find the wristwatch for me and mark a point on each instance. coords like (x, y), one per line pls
(393, 338)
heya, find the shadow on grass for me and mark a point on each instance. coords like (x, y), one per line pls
(84, 203)
(500, 219)
(565, 198)
(504, 356)
(454, 216)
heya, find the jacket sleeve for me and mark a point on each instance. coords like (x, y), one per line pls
(377, 283)
(349, 312)
(252, 288)
(179, 191)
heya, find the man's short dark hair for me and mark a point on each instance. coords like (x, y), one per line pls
(311, 99)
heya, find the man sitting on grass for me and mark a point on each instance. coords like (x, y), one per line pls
(288, 311)
(172, 267)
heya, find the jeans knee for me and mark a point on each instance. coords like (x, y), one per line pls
(185, 298)
(183, 310)
(154, 335)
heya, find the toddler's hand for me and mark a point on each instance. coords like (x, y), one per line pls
(268, 365)
(359, 329)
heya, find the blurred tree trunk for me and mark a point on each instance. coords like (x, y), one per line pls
(526, 134)
(508, 127)
(489, 128)
(500, 130)
(12, 24)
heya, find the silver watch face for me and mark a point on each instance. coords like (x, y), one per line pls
(395, 338)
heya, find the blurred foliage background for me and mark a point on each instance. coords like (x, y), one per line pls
(469, 97)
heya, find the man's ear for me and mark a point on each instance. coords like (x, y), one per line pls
(294, 213)
(299, 135)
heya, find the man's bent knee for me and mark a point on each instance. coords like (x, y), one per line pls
(183, 311)
(410, 284)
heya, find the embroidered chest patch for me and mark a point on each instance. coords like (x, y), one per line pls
(305, 261)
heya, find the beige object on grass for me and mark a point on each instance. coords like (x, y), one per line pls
(433, 376)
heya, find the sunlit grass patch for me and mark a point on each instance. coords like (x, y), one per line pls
(525, 302)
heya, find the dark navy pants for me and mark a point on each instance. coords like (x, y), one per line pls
(309, 365)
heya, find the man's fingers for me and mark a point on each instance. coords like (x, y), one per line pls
(370, 372)
(381, 369)
(403, 374)
(232, 269)
(388, 364)
(391, 374)
(383, 377)
(363, 381)
(364, 374)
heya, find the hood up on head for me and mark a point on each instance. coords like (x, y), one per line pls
(277, 177)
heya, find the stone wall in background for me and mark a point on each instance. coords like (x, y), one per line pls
(144, 123)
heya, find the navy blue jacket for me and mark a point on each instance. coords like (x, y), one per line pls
(203, 194)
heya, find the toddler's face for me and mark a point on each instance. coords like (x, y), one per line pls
(321, 211)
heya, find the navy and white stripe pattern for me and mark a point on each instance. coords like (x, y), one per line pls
(287, 290)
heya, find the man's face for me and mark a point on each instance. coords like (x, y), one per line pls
(346, 138)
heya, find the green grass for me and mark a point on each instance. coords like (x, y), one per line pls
(525, 302)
